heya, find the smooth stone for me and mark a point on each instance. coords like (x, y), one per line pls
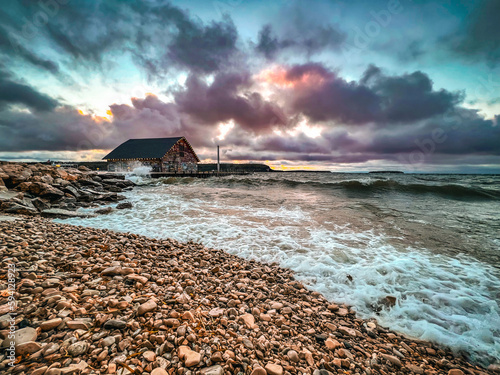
(273, 369)
(332, 344)
(115, 324)
(29, 347)
(159, 371)
(394, 360)
(248, 320)
(212, 370)
(258, 371)
(146, 307)
(294, 357)
(149, 356)
(108, 341)
(21, 336)
(77, 324)
(50, 324)
(78, 348)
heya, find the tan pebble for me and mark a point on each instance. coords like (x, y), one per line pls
(146, 307)
(112, 368)
(77, 324)
(248, 320)
(394, 360)
(216, 357)
(50, 324)
(187, 316)
(149, 356)
(265, 317)
(415, 369)
(159, 371)
(292, 354)
(39, 371)
(333, 307)
(29, 347)
(332, 344)
(192, 358)
(258, 371)
(455, 371)
(212, 370)
(347, 331)
(331, 327)
(273, 369)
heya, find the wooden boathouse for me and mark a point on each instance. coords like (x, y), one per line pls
(173, 155)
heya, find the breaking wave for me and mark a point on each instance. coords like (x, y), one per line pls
(369, 186)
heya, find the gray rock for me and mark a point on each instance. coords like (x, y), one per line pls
(22, 336)
(115, 324)
(78, 348)
(121, 206)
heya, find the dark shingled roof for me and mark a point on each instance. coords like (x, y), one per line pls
(145, 148)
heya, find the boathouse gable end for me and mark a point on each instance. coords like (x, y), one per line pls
(161, 154)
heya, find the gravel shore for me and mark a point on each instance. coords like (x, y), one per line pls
(93, 301)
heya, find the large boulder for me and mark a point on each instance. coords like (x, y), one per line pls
(20, 209)
(45, 190)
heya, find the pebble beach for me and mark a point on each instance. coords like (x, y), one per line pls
(93, 301)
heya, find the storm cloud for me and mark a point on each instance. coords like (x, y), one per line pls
(229, 97)
(376, 98)
(13, 92)
(478, 37)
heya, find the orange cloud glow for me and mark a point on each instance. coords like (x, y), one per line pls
(279, 76)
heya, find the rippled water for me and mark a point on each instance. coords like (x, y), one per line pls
(431, 241)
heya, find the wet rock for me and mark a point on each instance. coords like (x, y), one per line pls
(21, 210)
(123, 205)
(60, 213)
(104, 211)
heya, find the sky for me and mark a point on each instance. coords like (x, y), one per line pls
(356, 85)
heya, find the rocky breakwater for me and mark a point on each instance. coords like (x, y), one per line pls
(97, 302)
(38, 189)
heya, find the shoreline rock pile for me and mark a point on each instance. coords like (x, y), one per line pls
(50, 191)
(93, 301)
